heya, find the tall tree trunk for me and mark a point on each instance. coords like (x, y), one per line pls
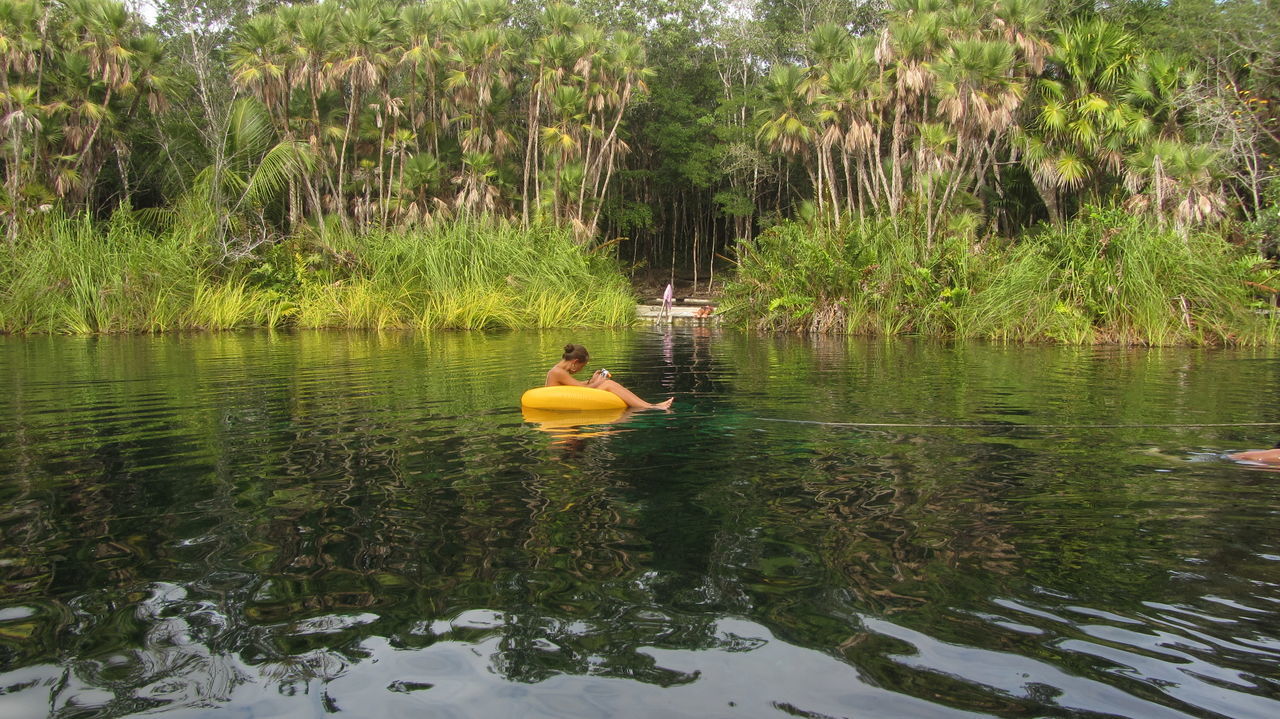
(895, 154)
(342, 157)
(530, 147)
(88, 144)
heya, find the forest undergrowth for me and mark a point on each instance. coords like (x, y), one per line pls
(1106, 277)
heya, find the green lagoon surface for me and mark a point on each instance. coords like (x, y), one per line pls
(299, 524)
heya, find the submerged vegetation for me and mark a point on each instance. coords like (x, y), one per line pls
(997, 168)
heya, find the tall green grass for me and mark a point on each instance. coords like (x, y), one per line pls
(470, 274)
(71, 275)
(68, 274)
(866, 276)
(1106, 278)
(231, 304)
(1111, 277)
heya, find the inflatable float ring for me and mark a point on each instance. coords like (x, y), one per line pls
(566, 423)
(566, 397)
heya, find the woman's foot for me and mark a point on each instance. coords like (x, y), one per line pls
(663, 405)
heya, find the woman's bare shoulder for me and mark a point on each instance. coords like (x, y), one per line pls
(557, 376)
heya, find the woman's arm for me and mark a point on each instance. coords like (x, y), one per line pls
(559, 376)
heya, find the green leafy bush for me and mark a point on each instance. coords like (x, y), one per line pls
(863, 277)
(1107, 277)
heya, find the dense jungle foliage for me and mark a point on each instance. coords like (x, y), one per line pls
(672, 136)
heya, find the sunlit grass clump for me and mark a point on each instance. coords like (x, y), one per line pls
(71, 275)
(867, 276)
(68, 274)
(1106, 278)
(1114, 278)
(467, 275)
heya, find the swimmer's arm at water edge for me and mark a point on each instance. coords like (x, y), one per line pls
(1261, 456)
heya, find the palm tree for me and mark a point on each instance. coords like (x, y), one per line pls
(848, 106)
(419, 176)
(258, 59)
(150, 88)
(363, 59)
(980, 94)
(916, 33)
(101, 29)
(78, 109)
(1154, 88)
(846, 86)
(1082, 126)
(21, 119)
(1169, 178)
(552, 58)
(563, 140)
(19, 46)
(401, 140)
(828, 45)
(478, 70)
(626, 78)
(1020, 23)
(313, 54)
(237, 199)
(21, 114)
(421, 55)
(787, 115)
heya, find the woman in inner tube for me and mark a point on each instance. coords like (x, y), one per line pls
(575, 358)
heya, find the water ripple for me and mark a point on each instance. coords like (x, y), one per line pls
(298, 524)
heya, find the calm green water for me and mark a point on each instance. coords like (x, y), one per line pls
(259, 525)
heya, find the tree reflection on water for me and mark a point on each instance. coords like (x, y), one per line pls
(180, 533)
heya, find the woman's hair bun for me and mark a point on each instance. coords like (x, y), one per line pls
(575, 352)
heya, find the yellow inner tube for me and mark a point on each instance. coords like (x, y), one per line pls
(570, 398)
(552, 420)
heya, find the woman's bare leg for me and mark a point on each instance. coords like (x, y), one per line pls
(630, 397)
